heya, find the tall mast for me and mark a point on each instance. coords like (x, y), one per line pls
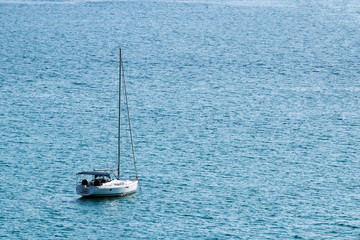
(121, 73)
(120, 65)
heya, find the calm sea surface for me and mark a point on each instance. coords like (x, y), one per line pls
(245, 116)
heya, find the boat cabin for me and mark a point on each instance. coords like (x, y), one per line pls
(93, 178)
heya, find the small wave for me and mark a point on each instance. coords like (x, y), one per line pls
(246, 3)
(348, 225)
(36, 2)
(67, 2)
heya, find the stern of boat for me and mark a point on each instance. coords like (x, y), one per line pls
(84, 190)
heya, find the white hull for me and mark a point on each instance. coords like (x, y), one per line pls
(110, 189)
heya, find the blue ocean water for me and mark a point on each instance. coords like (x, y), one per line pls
(245, 117)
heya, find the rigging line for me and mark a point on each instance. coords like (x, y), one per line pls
(128, 115)
(120, 65)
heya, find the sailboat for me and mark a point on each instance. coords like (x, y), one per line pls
(105, 182)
